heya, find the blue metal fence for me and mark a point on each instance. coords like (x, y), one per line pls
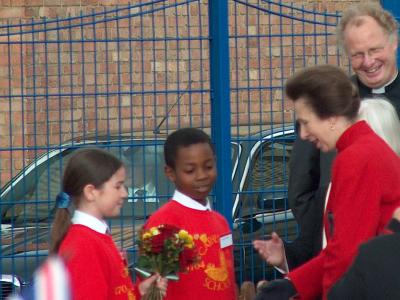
(124, 78)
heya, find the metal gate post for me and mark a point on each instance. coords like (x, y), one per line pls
(220, 103)
(394, 7)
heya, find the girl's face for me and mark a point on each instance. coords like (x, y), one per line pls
(195, 171)
(314, 129)
(109, 198)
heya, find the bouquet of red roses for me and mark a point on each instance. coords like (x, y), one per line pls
(166, 250)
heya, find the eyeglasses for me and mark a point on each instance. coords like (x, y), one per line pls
(372, 53)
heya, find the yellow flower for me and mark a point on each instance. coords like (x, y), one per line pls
(189, 245)
(190, 239)
(146, 235)
(183, 234)
(154, 231)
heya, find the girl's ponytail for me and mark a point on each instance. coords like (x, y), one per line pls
(61, 223)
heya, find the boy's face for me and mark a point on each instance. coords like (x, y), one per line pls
(195, 171)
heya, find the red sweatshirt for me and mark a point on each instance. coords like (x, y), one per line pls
(365, 191)
(97, 269)
(213, 277)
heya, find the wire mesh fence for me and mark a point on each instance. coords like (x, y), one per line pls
(122, 79)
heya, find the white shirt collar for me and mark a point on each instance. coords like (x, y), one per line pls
(189, 202)
(87, 220)
(382, 89)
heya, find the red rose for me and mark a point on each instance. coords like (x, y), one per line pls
(157, 243)
(187, 257)
(168, 230)
(161, 249)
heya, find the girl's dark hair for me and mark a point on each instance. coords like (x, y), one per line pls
(327, 90)
(86, 166)
(183, 137)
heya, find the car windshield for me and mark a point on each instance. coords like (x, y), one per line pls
(31, 196)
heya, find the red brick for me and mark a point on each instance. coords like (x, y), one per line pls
(12, 12)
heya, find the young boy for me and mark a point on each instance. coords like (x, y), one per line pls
(190, 165)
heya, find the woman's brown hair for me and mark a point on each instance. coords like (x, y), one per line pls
(327, 90)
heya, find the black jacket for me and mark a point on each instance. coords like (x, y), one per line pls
(308, 182)
(374, 273)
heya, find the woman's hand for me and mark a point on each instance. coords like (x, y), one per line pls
(272, 250)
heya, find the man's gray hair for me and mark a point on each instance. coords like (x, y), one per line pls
(354, 15)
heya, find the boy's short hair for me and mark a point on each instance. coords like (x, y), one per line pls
(181, 138)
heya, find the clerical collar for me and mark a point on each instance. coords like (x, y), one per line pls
(382, 89)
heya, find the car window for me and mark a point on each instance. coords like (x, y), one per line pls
(32, 197)
(264, 189)
(148, 187)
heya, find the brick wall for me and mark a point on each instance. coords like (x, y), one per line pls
(111, 87)
(63, 8)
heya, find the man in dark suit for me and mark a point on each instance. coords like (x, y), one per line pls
(374, 273)
(368, 35)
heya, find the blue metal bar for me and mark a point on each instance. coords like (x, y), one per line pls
(166, 95)
(107, 71)
(177, 63)
(394, 7)
(130, 82)
(201, 64)
(220, 103)
(153, 26)
(189, 72)
(88, 40)
(71, 83)
(119, 84)
(103, 20)
(249, 100)
(83, 63)
(96, 93)
(281, 14)
(59, 98)
(80, 94)
(142, 70)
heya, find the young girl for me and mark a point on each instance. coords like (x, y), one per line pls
(94, 182)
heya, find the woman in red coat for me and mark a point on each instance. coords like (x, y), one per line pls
(364, 189)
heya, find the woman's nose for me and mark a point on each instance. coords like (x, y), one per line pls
(303, 133)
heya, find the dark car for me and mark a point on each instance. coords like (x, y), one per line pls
(259, 177)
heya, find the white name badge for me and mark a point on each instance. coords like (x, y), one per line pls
(226, 241)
